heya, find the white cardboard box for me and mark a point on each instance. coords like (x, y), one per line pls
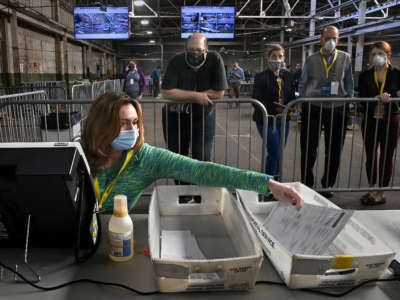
(361, 255)
(222, 232)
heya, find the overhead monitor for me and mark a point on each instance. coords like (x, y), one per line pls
(101, 22)
(216, 22)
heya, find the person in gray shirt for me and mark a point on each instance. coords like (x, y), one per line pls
(326, 73)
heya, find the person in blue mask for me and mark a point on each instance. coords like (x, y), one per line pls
(274, 87)
(121, 163)
(135, 81)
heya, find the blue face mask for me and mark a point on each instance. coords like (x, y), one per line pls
(126, 139)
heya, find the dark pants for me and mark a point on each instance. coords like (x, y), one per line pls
(202, 132)
(234, 90)
(273, 146)
(374, 134)
(335, 123)
(156, 88)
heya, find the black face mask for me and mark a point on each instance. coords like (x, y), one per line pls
(195, 59)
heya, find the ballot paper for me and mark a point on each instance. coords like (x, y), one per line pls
(180, 244)
(310, 230)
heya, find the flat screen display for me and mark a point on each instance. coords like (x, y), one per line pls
(217, 22)
(101, 22)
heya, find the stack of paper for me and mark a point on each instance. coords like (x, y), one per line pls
(308, 231)
(179, 244)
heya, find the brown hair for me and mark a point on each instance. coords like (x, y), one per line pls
(385, 46)
(274, 47)
(102, 126)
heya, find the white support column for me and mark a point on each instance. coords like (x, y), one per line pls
(282, 33)
(303, 55)
(313, 6)
(350, 46)
(360, 41)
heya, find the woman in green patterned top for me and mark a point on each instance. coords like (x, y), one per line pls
(122, 163)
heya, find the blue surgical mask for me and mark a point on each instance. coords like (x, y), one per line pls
(126, 139)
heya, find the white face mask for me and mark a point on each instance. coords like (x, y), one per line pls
(379, 60)
(330, 45)
(276, 64)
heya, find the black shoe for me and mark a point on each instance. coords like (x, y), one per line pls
(326, 194)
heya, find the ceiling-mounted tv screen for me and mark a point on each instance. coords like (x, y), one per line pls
(101, 22)
(217, 22)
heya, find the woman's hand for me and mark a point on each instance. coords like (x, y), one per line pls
(286, 193)
(385, 97)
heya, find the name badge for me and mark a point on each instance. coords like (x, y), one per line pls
(326, 88)
(131, 82)
(334, 87)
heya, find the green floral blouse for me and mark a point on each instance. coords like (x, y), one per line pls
(151, 163)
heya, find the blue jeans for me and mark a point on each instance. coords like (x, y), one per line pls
(273, 146)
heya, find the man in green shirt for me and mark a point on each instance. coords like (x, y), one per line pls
(196, 75)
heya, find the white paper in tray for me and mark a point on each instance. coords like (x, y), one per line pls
(179, 244)
(308, 231)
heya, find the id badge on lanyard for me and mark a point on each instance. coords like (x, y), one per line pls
(329, 88)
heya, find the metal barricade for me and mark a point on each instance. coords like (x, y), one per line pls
(54, 89)
(19, 120)
(82, 92)
(98, 88)
(339, 119)
(52, 92)
(117, 86)
(236, 141)
(109, 86)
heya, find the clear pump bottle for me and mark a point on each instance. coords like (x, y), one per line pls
(120, 231)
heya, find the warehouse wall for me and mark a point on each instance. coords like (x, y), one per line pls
(75, 62)
(2, 50)
(30, 53)
(37, 56)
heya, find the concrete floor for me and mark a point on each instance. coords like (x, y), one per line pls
(238, 144)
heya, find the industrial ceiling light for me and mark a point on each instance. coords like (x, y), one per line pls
(144, 22)
(152, 41)
(138, 3)
(149, 32)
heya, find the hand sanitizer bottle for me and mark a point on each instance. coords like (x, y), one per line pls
(120, 231)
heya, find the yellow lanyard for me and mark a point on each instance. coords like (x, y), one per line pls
(111, 185)
(280, 87)
(383, 81)
(328, 68)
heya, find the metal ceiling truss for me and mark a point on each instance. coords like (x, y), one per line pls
(256, 17)
(373, 26)
(382, 6)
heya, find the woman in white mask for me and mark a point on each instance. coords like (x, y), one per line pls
(381, 120)
(274, 87)
(121, 163)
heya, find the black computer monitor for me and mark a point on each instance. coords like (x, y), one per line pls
(51, 183)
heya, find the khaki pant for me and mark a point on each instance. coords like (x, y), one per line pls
(234, 91)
